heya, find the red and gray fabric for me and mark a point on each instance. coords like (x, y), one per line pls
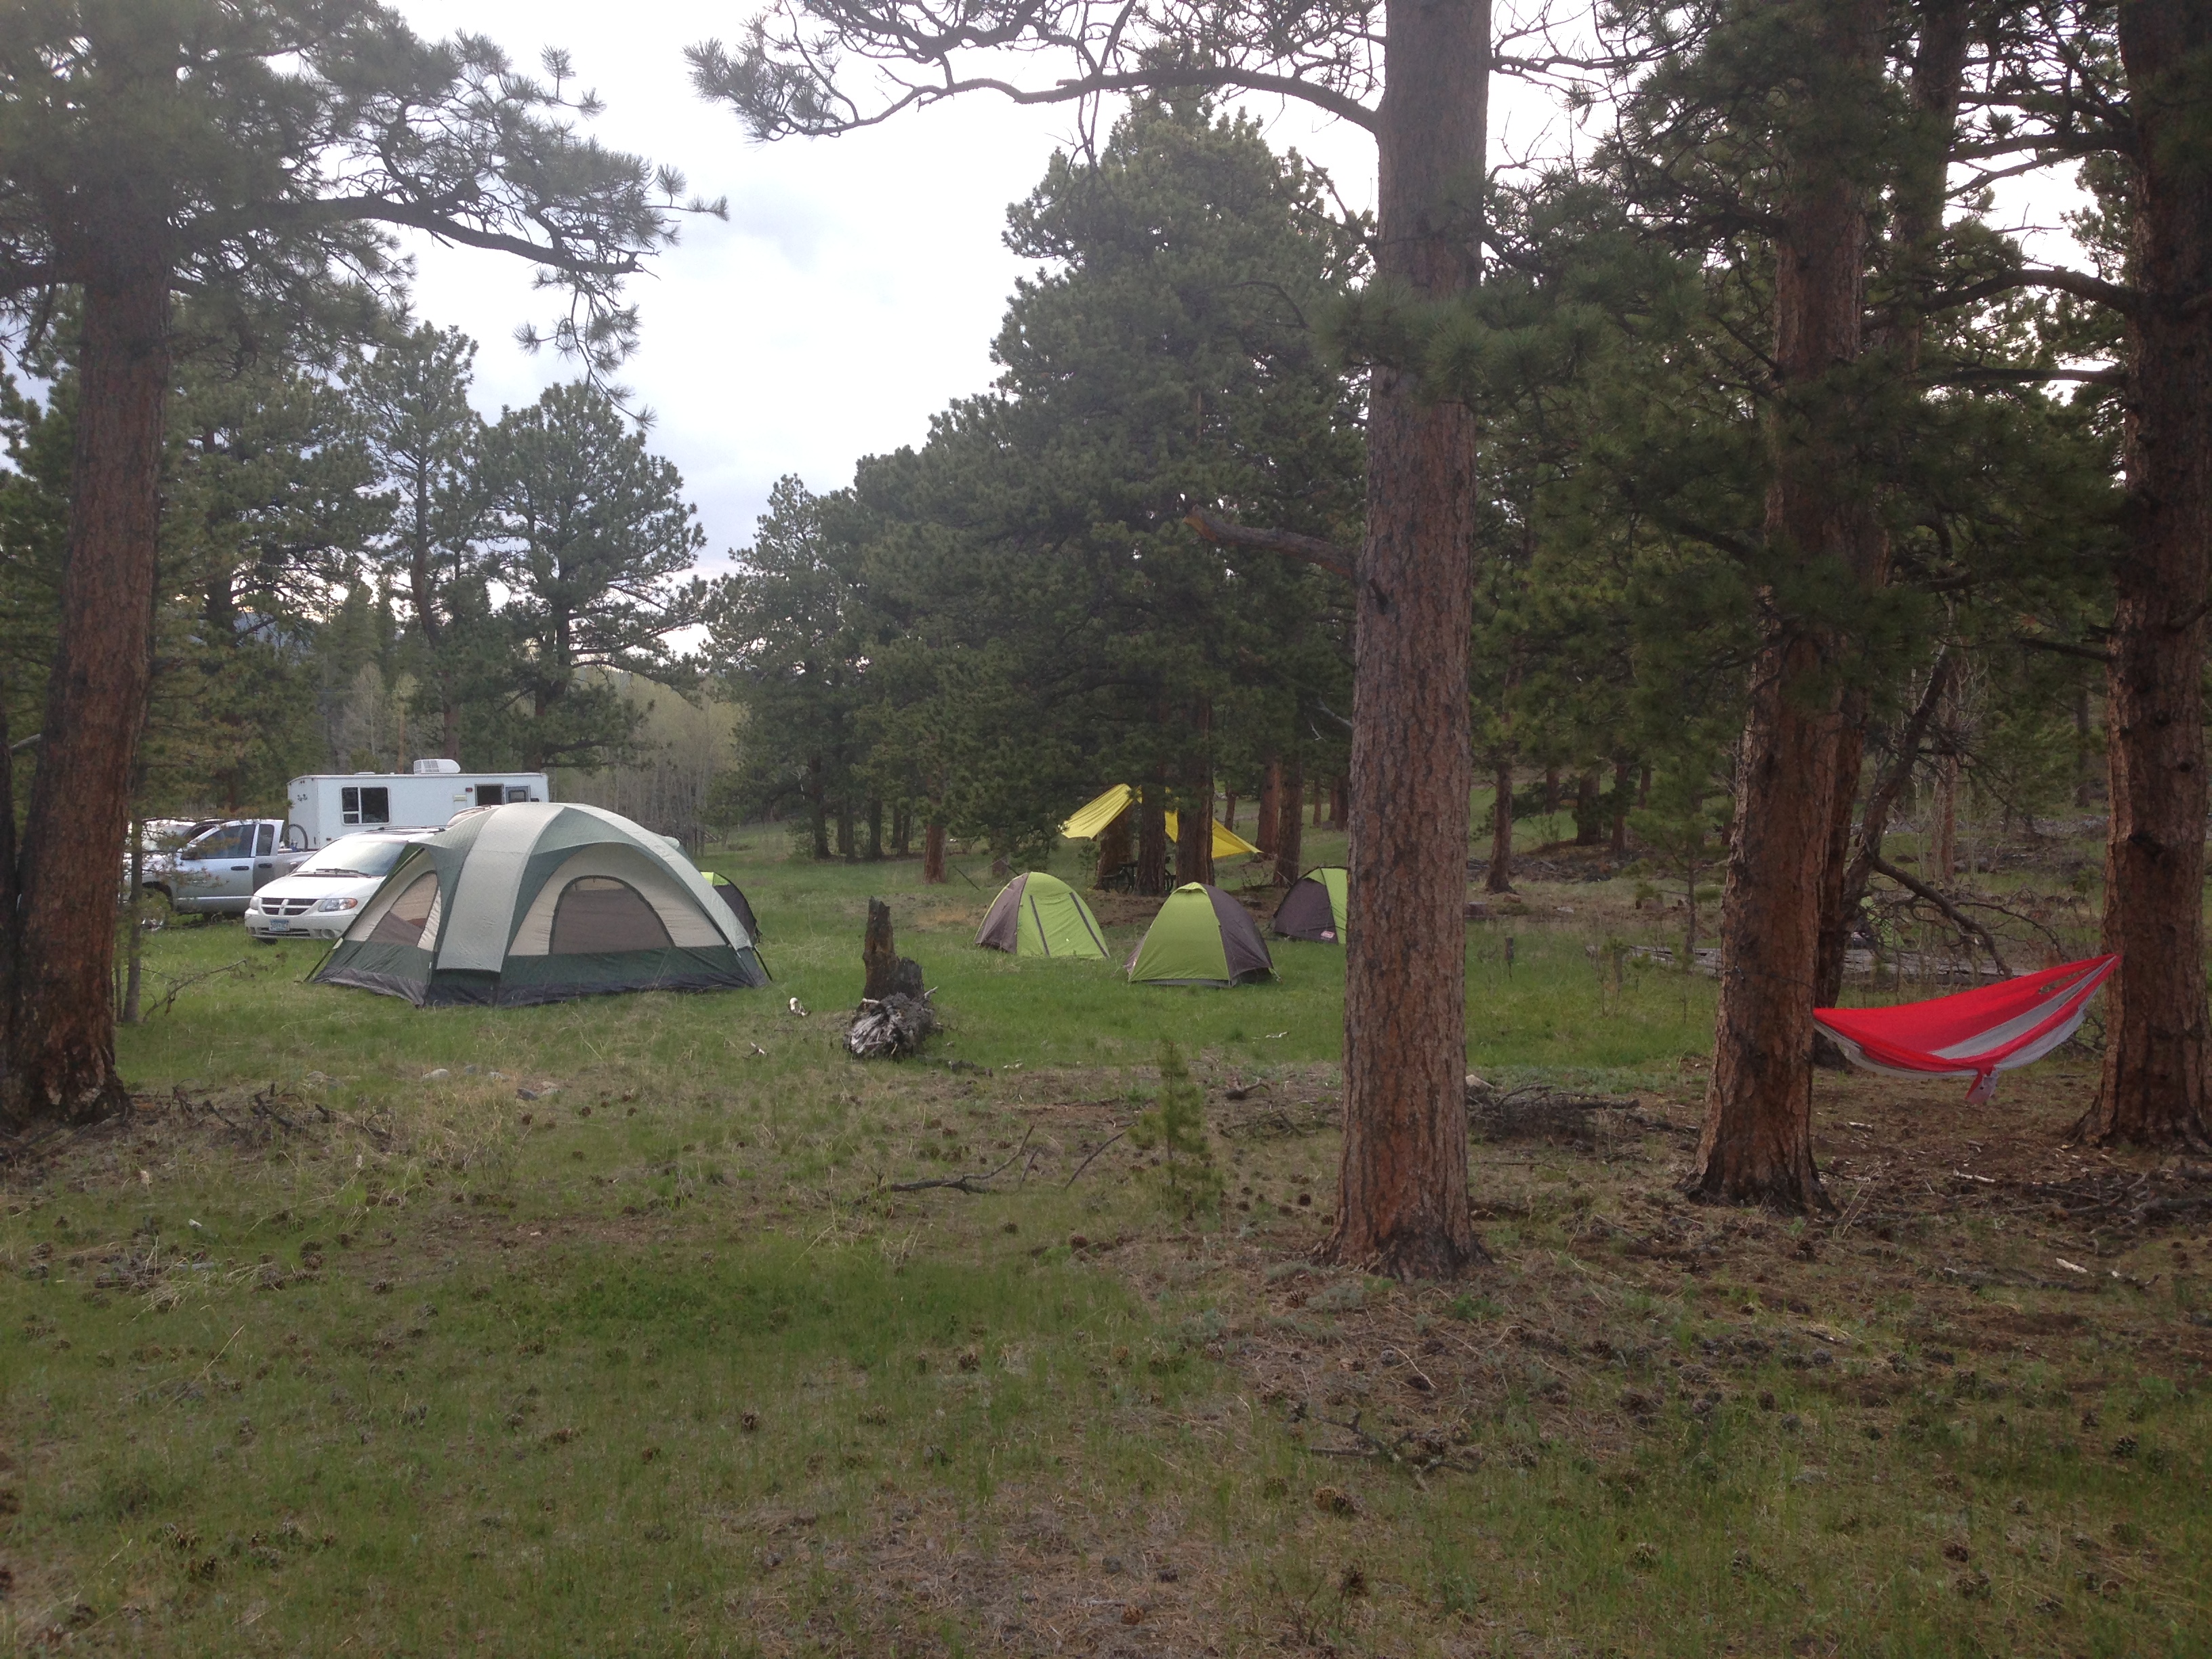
(1975, 1033)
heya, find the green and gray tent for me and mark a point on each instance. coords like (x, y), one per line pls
(1314, 909)
(1040, 916)
(1200, 936)
(541, 902)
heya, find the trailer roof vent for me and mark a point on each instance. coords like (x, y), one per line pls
(423, 769)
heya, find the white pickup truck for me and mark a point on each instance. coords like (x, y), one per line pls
(218, 869)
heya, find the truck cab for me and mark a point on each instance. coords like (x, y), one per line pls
(217, 870)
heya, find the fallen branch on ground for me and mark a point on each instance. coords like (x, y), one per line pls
(1095, 1150)
(963, 1183)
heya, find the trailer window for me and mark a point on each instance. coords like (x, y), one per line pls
(359, 806)
(491, 794)
(518, 792)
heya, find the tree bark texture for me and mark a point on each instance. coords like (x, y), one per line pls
(1195, 817)
(1401, 1192)
(1938, 74)
(1840, 905)
(1152, 841)
(61, 1038)
(1757, 1143)
(1589, 817)
(1290, 824)
(1113, 848)
(2152, 1092)
(933, 853)
(1500, 878)
(1271, 806)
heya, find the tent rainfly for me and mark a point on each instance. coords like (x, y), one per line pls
(541, 902)
(1974, 1034)
(1200, 936)
(1090, 819)
(1037, 915)
(733, 896)
(1314, 909)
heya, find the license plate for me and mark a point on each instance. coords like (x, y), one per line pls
(280, 927)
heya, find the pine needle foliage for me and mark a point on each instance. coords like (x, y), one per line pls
(1176, 1127)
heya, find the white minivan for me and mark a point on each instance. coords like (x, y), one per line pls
(319, 900)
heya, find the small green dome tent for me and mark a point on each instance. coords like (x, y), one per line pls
(1200, 936)
(1037, 915)
(541, 902)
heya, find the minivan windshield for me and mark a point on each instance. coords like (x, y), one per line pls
(356, 855)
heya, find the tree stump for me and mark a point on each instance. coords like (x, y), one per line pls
(894, 1017)
(889, 974)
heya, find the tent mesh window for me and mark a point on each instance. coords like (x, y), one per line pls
(598, 914)
(403, 923)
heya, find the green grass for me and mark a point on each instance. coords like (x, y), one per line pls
(323, 1356)
(1546, 1010)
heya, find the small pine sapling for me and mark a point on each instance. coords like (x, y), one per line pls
(1176, 1125)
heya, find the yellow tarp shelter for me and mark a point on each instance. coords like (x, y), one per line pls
(1090, 819)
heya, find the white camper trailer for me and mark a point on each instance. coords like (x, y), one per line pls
(329, 804)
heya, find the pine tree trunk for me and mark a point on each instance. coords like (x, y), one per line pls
(1339, 803)
(1500, 879)
(1195, 844)
(1290, 830)
(2152, 1092)
(818, 804)
(1195, 838)
(1619, 846)
(1916, 231)
(1271, 803)
(1152, 841)
(2085, 751)
(61, 1037)
(1590, 815)
(1113, 849)
(933, 853)
(1757, 1144)
(1551, 790)
(1943, 837)
(1401, 1192)
(1228, 809)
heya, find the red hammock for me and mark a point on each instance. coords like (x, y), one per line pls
(1976, 1034)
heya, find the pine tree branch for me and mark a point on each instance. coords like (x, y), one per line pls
(1958, 918)
(1312, 549)
(2126, 301)
(2063, 647)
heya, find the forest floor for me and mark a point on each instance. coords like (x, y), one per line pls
(601, 1329)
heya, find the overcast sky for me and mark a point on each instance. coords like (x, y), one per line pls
(856, 287)
(853, 292)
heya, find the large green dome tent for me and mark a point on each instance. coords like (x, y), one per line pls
(1315, 908)
(1037, 915)
(541, 902)
(1200, 936)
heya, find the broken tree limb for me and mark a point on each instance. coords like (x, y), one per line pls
(1958, 918)
(1095, 1150)
(964, 1183)
(1311, 549)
